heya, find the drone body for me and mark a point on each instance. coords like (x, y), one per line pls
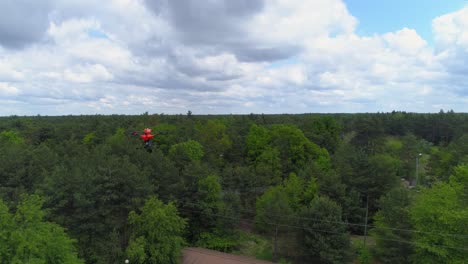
(146, 137)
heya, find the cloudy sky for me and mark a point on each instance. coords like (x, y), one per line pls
(224, 56)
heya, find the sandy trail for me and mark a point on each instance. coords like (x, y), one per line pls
(206, 256)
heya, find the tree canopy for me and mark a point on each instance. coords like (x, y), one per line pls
(25, 237)
(157, 233)
(299, 187)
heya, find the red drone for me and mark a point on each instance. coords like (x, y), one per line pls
(146, 137)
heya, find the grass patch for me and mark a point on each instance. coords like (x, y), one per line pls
(254, 245)
(219, 242)
(358, 240)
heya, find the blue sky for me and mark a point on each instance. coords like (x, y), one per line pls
(382, 16)
(232, 56)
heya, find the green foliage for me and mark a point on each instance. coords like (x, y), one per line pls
(311, 191)
(294, 189)
(459, 180)
(26, 238)
(156, 234)
(167, 135)
(324, 238)
(240, 178)
(14, 177)
(284, 261)
(136, 250)
(324, 131)
(368, 175)
(7, 226)
(354, 210)
(207, 214)
(384, 169)
(89, 139)
(267, 167)
(444, 160)
(218, 241)
(412, 146)
(368, 130)
(257, 141)
(209, 191)
(11, 136)
(118, 136)
(231, 210)
(295, 149)
(264, 158)
(273, 209)
(214, 139)
(460, 175)
(442, 209)
(209, 199)
(92, 174)
(254, 245)
(118, 142)
(186, 152)
(329, 182)
(364, 255)
(390, 221)
(393, 145)
(192, 149)
(92, 197)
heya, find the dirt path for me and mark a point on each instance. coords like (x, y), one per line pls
(206, 256)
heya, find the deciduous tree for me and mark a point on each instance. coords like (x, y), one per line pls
(324, 237)
(26, 237)
(157, 234)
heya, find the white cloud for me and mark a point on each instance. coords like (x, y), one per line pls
(8, 89)
(451, 43)
(87, 74)
(296, 21)
(407, 41)
(7, 73)
(273, 56)
(73, 38)
(451, 29)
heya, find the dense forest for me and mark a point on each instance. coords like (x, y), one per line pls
(311, 188)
